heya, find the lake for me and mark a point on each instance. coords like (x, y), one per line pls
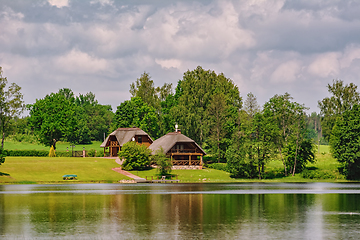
(181, 211)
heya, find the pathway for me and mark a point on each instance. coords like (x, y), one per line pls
(130, 175)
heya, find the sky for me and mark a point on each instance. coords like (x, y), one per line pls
(102, 46)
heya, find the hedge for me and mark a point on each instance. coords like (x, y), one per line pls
(34, 153)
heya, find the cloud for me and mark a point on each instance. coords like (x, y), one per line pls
(325, 65)
(266, 47)
(59, 3)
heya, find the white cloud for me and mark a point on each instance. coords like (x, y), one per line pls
(169, 63)
(77, 62)
(59, 3)
(286, 72)
(325, 65)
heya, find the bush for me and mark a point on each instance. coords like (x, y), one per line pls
(218, 166)
(26, 153)
(163, 163)
(136, 156)
(99, 154)
(91, 153)
(63, 154)
(321, 174)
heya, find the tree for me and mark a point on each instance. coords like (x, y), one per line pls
(11, 105)
(217, 116)
(136, 156)
(52, 152)
(194, 94)
(345, 141)
(342, 99)
(137, 113)
(298, 156)
(251, 106)
(289, 124)
(163, 163)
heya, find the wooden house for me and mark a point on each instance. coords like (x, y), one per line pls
(113, 143)
(182, 150)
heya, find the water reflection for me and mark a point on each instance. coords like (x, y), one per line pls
(179, 211)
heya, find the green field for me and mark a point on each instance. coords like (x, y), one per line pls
(60, 146)
(51, 170)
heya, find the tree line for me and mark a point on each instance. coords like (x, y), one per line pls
(209, 109)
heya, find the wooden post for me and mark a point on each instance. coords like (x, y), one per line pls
(189, 159)
(201, 161)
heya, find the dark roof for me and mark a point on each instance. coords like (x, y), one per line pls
(167, 141)
(124, 135)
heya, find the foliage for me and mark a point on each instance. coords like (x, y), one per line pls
(163, 163)
(52, 152)
(342, 99)
(62, 117)
(239, 165)
(207, 108)
(136, 156)
(289, 125)
(137, 113)
(305, 154)
(27, 153)
(11, 105)
(320, 174)
(2, 155)
(218, 166)
(345, 142)
(91, 153)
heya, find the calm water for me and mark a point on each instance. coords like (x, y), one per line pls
(180, 211)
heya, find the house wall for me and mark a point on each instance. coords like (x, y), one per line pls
(144, 140)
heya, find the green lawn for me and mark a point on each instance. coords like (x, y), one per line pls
(60, 146)
(51, 170)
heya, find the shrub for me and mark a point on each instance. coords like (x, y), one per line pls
(321, 174)
(163, 163)
(136, 156)
(218, 166)
(52, 152)
(91, 153)
(99, 154)
(63, 154)
(26, 153)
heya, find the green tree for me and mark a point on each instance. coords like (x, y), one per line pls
(194, 94)
(342, 99)
(97, 119)
(163, 162)
(345, 141)
(289, 125)
(11, 105)
(298, 156)
(136, 156)
(137, 113)
(217, 117)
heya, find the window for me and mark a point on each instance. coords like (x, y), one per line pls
(139, 139)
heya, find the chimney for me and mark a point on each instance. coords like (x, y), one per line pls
(178, 131)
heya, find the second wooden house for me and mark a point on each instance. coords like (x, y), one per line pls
(113, 143)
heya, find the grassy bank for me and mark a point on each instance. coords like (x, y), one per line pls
(51, 170)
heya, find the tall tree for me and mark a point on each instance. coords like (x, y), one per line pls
(135, 112)
(217, 112)
(194, 94)
(342, 99)
(345, 141)
(11, 104)
(287, 116)
(250, 105)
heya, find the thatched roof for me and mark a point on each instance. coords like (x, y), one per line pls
(167, 141)
(124, 135)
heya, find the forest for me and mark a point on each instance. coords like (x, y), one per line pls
(209, 109)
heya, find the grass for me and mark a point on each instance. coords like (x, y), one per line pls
(60, 146)
(51, 170)
(23, 170)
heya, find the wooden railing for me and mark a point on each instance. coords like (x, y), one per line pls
(185, 162)
(184, 151)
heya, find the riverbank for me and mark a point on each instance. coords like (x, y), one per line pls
(45, 170)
